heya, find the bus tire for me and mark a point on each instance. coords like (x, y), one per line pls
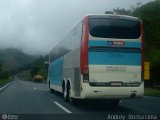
(49, 84)
(51, 90)
(64, 92)
(70, 99)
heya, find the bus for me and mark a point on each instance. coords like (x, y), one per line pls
(102, 57)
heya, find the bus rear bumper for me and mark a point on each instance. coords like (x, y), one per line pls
(89, 92)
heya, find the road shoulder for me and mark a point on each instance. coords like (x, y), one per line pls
(4, 86)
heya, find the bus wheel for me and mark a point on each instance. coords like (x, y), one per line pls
(64, 92)
(71, 100)
(51, 90)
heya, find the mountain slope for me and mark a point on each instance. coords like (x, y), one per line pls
(11, 59)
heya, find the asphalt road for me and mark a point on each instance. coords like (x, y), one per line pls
(25, 97)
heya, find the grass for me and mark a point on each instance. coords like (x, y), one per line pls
(152, 92)
(4, 81)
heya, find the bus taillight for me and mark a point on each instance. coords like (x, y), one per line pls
(84, 48)
(86, 78)
(142, 34)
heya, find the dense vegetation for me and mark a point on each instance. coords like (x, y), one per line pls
(36, 67)
(3, 75)
(150, 15)
(14, 62)
(11, 60)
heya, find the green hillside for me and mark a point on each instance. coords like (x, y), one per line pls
(12, 59)
(15, 62)
(150, 15)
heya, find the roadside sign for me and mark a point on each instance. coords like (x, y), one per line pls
(146, 70)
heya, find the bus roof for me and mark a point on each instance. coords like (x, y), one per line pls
(126, 17)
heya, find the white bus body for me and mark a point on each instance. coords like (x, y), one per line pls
(101, 58)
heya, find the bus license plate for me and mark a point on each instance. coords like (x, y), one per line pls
(116, 83)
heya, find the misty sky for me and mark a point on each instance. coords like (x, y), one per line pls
(36, 26)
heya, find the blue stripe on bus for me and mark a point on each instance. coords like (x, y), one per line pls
(107, 43)
(114, 56)
(56, 71)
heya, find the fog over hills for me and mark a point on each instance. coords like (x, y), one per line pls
(36, 26)
(12, 59)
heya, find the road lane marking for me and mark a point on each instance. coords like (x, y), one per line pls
(34, 88)
(152, 97)
(62, 107)
(4, 86)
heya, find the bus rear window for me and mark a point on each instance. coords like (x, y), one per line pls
(114, 28)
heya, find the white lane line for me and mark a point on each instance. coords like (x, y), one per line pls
(152, 97)
(4, 86)
(62, 107)
(34, 88)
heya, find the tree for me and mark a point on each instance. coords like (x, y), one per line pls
(109, 12)
(121, 11)
(0, 70)
(36, 65)
(5, 75)
(149, 13)
(134, 7)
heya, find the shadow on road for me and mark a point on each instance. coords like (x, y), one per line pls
(96, 106)
(101, 106)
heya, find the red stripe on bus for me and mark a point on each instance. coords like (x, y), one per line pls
(84, 47)
(142, 33)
